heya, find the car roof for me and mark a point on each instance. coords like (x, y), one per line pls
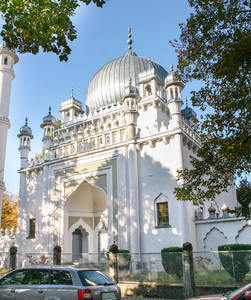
(59, 267)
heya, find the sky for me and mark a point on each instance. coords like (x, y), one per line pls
(42, 80)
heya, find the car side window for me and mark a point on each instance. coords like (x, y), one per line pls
(61, 277)
(16, 277)
(37, 276)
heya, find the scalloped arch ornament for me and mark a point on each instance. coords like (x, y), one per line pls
(210, 232)
(242, 230)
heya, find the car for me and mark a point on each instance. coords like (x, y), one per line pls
(243, 293)
(58, 283)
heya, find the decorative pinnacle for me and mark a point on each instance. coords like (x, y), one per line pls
(171, 66)
(49, 110)
(129, 41)
(186, 102)
(72, 92)
(26, 121)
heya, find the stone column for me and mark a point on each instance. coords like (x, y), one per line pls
(133, 198)
(188, 270)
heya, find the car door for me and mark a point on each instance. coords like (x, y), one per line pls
(35, 285)
(11, 283)
(61, 286)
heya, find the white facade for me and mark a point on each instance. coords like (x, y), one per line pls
(104, 174)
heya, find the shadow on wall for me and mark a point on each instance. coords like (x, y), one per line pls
(153, 178)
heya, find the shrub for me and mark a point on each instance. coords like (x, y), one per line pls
(124, 259)
(113, 248)
(172, 261)
(235, 259)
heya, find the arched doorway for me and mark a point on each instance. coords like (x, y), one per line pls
(83, 210)
(79, 243)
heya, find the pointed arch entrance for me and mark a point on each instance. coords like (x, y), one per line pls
(83, 213)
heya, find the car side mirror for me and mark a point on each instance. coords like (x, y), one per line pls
(247, 295)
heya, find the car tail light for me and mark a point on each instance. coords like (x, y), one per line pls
(84, 294)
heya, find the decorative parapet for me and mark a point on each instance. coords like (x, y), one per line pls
(8, 233)
(5, 121)
(190, 131)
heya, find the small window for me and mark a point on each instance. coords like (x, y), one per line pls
(148, 90)
(32, 228)
(162, 213)
(61, 277)
(5, 62)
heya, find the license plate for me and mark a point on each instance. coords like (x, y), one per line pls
(110, 295)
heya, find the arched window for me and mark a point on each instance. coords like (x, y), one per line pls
(161, 211)
(148, 90)
(5, 62)
(171, 93)
(32, 228)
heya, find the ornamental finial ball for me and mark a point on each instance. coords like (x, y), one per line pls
(129, 41)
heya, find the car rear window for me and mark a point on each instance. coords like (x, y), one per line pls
(93, 278)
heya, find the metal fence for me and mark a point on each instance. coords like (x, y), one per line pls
(210, 267)
(225, 267)
(150, 267)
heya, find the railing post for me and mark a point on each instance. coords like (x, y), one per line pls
(57, 255)
(13, 257)
(188, 271)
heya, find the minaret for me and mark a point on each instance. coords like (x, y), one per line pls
(173, 88)
(48, 125)
(7, 60)
(25, 135)
(130, 103)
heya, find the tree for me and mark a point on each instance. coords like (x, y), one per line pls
(9, 212)
(215, 48)
(31, 25)
(244, 193)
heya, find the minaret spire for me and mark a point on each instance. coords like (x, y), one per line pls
(129, 41)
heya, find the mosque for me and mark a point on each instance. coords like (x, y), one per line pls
(107, 172)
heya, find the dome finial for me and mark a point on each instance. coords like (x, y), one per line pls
(129, 41)
(171, 67)
(72, 92)
(186, 102)
(26, 121)
(49, 110)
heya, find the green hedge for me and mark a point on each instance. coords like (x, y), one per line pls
(235, 260)
(124, 259)
(172, 261)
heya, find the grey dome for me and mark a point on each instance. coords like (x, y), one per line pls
(48, 120)
(25, 130)
(107, 87)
